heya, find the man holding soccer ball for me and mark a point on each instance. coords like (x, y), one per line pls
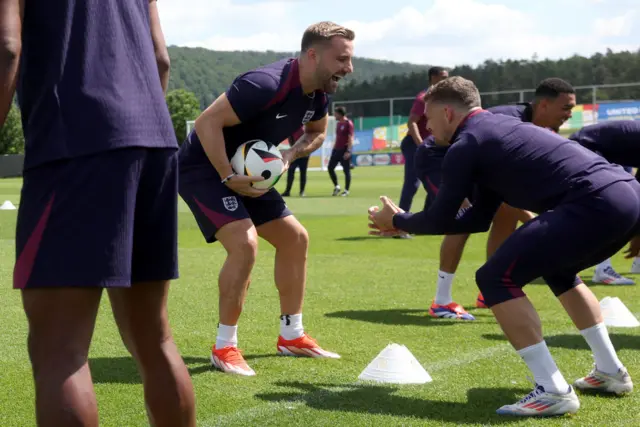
(267, 104)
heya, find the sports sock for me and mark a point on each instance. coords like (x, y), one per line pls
(603, 352)
(291, 326)
(443, 288)
(544, 369)
(227, 336)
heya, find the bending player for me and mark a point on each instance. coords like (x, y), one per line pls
(300, 163)
(269, 103)
(341, 153)
(554, 99)
(618, 142)
(588, 209)
(98, 206)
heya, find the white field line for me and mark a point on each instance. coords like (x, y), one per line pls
(245, 416)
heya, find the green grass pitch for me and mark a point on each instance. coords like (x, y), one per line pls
(363, 293)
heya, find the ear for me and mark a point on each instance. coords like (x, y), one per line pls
(312, 54)
(449, 113)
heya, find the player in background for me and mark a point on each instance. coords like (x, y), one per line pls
(553, 101)
(589, 209)
(341, 153)
(417, 131)
(618, 142)
(269, 103)
(98, 205)
(301, 163)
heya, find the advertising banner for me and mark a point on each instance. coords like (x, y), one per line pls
(397, 159)
(363, 141)
(379, 138)
(619, 111)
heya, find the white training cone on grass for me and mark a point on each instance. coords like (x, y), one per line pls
(617, 314)
(395, 364)
(7, 206)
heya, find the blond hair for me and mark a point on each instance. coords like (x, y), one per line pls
(454, 90)
(323, 32)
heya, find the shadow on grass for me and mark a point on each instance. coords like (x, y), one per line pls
(577, 342)
(360, 238)
(123, 370)
(380, 400)
(404, 316)
(588, 280)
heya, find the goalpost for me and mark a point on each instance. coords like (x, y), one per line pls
(325, 150)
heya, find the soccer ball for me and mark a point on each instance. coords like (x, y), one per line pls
(259, 158)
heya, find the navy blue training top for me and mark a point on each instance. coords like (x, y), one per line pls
(618, 141)
(526, 166)
(271, 106)
(522, 111)
(88, 80)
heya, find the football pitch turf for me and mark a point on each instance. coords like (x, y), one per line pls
(363, 293)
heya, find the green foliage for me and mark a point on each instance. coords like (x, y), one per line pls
(183, 105)
(599, 69)
(11, 136)
(208, 73)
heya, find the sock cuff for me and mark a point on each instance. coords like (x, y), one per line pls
(596, 327)
(535, 347)
(445, 275)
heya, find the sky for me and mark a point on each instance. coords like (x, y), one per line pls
(434, 32)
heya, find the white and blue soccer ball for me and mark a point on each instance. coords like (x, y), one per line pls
(259, 158)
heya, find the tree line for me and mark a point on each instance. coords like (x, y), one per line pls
(198, 76)
(491, 76)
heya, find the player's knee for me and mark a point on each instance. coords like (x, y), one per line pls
(47, 359)
(246, 248)
(298, 238)
(243, 246)
(495, 289)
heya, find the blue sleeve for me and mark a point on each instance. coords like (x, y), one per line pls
(478, 217)
(457, 180)
(575, 136)
(322, 107)
(250, 93)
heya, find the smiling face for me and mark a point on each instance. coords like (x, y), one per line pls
(554, 112)
(333, 63)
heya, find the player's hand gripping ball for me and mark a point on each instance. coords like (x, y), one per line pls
(259, 158)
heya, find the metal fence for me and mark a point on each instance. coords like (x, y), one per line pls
(396, 110)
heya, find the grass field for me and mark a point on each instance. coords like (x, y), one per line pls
(363, 293)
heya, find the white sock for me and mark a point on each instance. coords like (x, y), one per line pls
(603, 352)
(443, 289)
(291, 326)
(604, 264)
(636, 259)
(544, 369)
(227, 336)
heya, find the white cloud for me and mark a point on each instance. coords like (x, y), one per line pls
(615, 27)
(448, 32)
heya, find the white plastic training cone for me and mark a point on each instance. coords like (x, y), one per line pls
(7, 206)
(395, 364)
(617, 314)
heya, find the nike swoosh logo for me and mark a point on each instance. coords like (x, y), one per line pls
(278, 116)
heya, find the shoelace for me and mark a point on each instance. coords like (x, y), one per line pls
(537, 390)
(611, 272)
(233, 354)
